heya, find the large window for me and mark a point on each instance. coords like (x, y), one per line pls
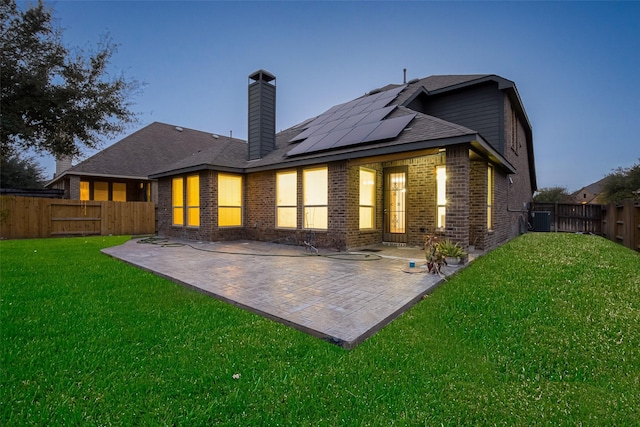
(490, 198)
(84, 190)
(177, 200)
(315, 196)
(193, 200)
(119, 192)
(229, 200)
(101, 191)
(286, 199)
(441, 196)
(367, 198)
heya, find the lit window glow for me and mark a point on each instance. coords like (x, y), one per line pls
(84, 190)
(286, 199)
(177, 201)
(119, 192)
(441, 196)
(101, 191)
(229, 200)
(315, 197)
(193, 200)
(367, 198)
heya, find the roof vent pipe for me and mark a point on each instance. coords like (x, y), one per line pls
(404, 78)
(262, 114)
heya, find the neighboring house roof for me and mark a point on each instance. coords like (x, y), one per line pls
(590, 194)
(154, 147)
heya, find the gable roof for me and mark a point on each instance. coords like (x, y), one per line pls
(155, 147)
(422, 132)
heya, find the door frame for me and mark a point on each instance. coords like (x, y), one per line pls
(389, 213)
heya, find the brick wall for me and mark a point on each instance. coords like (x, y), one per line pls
(458, 187)
(519, 194)
(478, 203)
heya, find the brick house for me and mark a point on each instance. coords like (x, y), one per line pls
(121, 171)
(451, 155)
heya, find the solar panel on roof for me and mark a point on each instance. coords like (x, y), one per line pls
(350, 123)
(307, 145)
(389, 128)
(330, 140)
(357, 134)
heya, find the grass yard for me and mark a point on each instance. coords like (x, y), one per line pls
(542, 331)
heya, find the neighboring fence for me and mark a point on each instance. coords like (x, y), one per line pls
(621, 223)
(572, 218)
(31, 217)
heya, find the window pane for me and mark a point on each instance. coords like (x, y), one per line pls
(489, 197)
(367, 197)
(193, 217)
(315, 217)
(366, 217)
(287, 217)
(84, 190)
(367, 187)
(193, 190)
(177, 201)
(101, 191)
(442, 215)
(316, 186)
(441, 178)
(229, 190)
(286, 189)
(178, 215)
(229, 217)
(119, 192)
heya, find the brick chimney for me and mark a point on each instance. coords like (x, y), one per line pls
(62, 164)
(262, 114)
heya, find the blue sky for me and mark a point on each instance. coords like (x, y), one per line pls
(575, 64)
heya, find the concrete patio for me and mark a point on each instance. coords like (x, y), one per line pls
(342, 297)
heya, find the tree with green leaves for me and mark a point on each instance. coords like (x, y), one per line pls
(552, 195)
(21, 172)
(623, 183)
(56, 100)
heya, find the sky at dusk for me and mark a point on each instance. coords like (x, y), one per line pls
(575, 64)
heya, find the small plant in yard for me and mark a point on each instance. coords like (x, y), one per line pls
(452, 252)
(435, 258)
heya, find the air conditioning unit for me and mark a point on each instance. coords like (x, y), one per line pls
(541, 221)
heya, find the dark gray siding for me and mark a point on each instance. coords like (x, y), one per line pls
(262, 119)
(479, 108)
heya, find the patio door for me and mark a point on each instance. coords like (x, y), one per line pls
(395, 205)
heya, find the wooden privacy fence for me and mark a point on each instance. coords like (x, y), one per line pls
(621, 223)
(31, 217)
(572, 218)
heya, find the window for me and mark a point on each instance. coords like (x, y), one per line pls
(119, 192)
(367, 198)
(286, 199)
(193, 200)
(490, 197)
(177, 201)
(101, 191)
(84, 190)
(514, 131)
(316, 194)
(441, 196)
(229, 200)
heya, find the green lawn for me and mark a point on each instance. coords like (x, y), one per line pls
(542, 331)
